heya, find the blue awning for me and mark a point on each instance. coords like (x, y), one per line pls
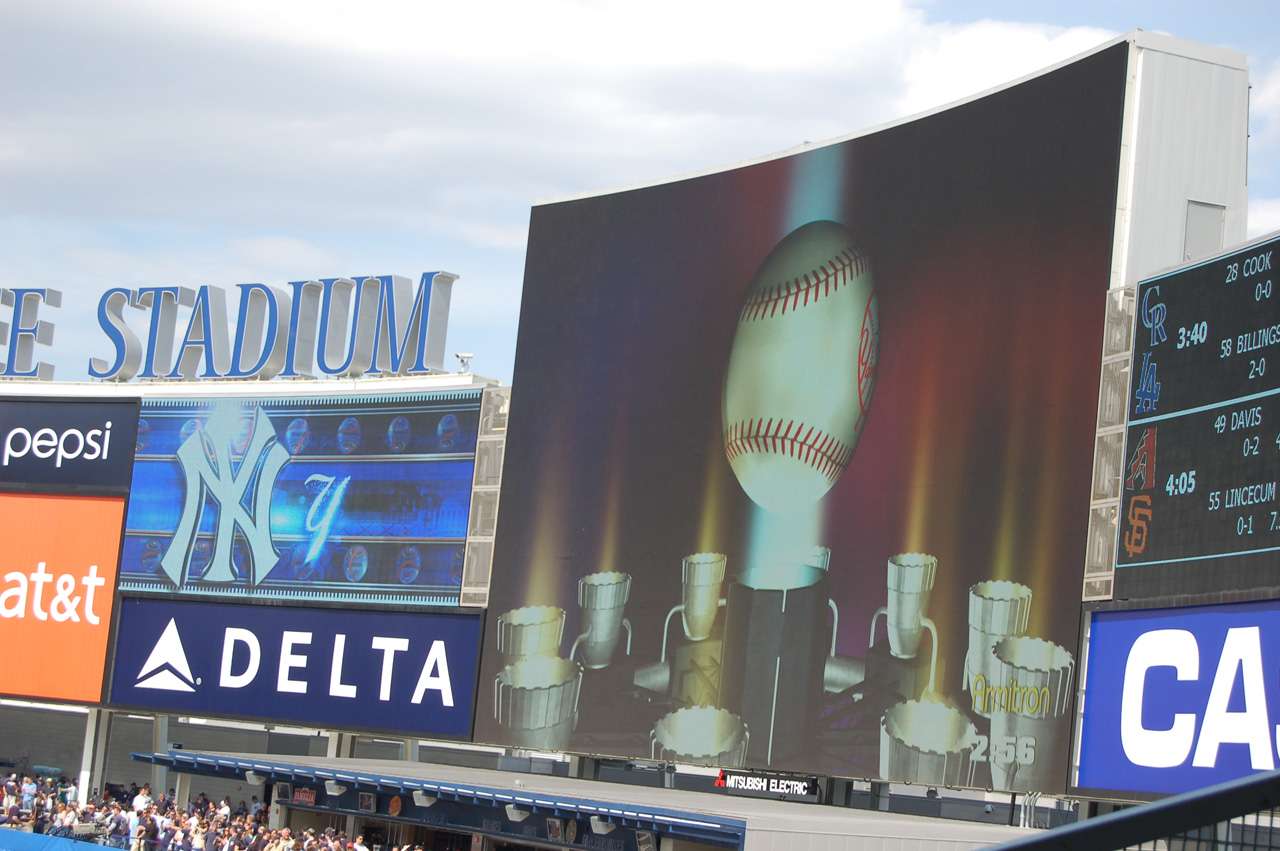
(443, 783)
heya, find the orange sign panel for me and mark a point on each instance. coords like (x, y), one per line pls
(58, 560)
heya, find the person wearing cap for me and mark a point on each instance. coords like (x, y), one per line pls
(117, 826)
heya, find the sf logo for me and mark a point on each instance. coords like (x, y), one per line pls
(1135, 540)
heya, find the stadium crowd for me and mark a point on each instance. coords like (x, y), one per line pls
(135, 821)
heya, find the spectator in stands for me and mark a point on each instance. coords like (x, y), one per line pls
(12, 812)
(118, 826)
(164, 841)
(148, 830)
(28, 793)
(56, 817)
(142, 800)
(197, 832)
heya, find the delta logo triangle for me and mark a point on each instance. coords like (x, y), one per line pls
(166, 669)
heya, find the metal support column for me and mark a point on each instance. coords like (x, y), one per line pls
(159, 744)
(93, 758)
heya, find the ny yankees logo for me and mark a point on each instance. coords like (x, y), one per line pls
(241, 497)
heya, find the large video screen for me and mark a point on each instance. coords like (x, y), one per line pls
(798, 468)
(1200, 513)
(361, 499)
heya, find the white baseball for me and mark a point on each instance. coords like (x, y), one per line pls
(802, 368)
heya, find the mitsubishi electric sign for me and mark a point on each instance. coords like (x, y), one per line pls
(414, 673)
(1182, 698)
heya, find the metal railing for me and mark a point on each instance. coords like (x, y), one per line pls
(1239, 815)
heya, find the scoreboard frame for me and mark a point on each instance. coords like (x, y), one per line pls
(1199, 511)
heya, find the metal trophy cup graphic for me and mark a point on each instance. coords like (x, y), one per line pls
(602, 598)
(1027, 699)
(702, 575)
(924, 742)
(997, 609)
(530, 631)
(910, 583)
(536, 699)
(700, 735)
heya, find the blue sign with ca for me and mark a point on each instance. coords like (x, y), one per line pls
(1182, 698)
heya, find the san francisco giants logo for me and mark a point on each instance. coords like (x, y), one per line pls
(1135, 540)
(241, 496)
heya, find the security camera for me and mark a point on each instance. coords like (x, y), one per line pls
(334, 788)
(465, 358)
(253, 778)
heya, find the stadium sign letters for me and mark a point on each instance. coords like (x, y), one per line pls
(1180, 699)
(345, 327)
(349, 668)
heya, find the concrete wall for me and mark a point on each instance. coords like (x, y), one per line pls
(57, 738)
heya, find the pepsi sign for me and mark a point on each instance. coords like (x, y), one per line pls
(51, 445)
(324, 667)
(1179, 699)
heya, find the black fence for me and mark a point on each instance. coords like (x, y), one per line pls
(1240, 815)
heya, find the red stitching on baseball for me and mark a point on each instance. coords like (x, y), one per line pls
(817, 449)
(814, 284)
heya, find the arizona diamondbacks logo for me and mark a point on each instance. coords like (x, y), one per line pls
(241, 496)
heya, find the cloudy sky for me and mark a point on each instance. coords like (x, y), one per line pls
(148, 142)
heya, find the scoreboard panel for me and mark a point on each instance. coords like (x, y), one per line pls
(1202, 449)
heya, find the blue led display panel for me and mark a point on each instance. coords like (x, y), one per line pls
(357, 499)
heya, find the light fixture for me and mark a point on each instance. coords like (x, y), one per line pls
(599, 825)
(422, 799)
(334, 788)
(515, 813)
(253, 778)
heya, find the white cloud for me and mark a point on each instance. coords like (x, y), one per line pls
(267, 140)
(949, 62)
(284, 256)
(1264, 217)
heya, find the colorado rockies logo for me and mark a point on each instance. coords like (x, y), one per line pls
(241, 496)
